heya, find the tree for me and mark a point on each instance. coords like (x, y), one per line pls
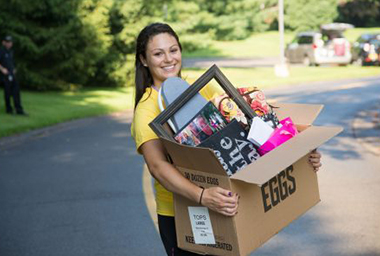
(361, 13)
(301, 15)
(54, 48)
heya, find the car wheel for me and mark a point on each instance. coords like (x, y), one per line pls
(306, 61)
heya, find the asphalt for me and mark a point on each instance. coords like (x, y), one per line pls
(68, 189)
(366, 128)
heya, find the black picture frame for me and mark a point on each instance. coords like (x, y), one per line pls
(157, 125)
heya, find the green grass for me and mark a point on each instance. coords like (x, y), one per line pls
(264, 44)
(50, 108)
(353, 34)
(265, 77)
(46, 109)
(258, 45)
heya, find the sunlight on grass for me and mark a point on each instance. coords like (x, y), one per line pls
(353, 34)
(264, 44)
(259, 45)
(265, 77)
(54, 107)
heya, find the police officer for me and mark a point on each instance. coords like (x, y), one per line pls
(7, 77)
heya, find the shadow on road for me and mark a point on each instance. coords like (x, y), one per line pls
(341, 104)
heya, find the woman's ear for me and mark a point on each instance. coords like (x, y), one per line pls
(143, 61)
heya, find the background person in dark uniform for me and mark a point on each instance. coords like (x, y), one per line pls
(8, 79)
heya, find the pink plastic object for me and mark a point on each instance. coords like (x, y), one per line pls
(279, 136)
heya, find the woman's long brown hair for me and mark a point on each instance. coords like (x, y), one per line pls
(143, 77)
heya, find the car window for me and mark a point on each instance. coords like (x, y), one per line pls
(305, 40)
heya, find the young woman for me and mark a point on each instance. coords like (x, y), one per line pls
(158, 57)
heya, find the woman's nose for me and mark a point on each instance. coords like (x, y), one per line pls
(168, 57)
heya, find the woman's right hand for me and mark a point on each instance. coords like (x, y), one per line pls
(221, 200)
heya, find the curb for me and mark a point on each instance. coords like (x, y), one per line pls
(366, 128)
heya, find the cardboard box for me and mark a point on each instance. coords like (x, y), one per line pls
(274, 190)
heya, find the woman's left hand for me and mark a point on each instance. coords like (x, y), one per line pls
(315, 160)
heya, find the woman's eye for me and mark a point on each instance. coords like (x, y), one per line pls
(157, 53)
(174, 50)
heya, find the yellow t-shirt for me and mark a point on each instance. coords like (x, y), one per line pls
(146, 110)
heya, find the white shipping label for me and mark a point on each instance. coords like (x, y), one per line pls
(201, 225)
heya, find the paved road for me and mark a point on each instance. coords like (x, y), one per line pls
(347, 221)
(75, 189)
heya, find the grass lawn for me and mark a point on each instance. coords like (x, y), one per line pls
(50, 108)
(265, 77)
(264, 44)
(353, 34)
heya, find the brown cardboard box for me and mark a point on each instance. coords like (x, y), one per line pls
(274, 190)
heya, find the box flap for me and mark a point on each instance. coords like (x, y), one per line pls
(194, 158)
(299, 113)
(285, 155)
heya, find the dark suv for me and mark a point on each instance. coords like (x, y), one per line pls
(366, 49)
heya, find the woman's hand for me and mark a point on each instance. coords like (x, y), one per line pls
(220, 200)
(217, 199)
(315, 160)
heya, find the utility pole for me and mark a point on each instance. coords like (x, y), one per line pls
(281, 69)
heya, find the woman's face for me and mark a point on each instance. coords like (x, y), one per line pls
(163, 58)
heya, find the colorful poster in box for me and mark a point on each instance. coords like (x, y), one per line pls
(229, 109)
(202, 125)
(232, 148)
(257, 101)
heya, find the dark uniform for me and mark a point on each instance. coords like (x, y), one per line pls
(11, 87)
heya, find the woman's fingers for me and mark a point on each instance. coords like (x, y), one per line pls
(231, 211)
(223, 192)
(315, 160)
(221, 200)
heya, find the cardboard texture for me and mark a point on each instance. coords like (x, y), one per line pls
(274, 190)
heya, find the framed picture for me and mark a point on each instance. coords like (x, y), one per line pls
(214, 72)
(204, 124)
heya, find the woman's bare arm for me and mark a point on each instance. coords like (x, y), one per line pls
(215, 198)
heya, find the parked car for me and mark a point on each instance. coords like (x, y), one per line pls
(328, 46)
(366, 50)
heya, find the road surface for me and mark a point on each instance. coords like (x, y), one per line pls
(76, 188)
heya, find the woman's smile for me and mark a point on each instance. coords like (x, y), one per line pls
(163, 58)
